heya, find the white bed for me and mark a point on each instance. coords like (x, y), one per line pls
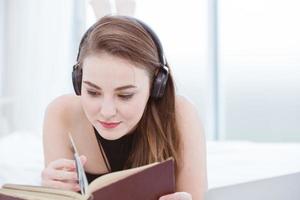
(21, 160)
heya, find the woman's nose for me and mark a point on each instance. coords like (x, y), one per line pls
(108, 108)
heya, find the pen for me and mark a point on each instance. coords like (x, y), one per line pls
(82, 179)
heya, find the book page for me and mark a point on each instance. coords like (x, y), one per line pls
(29, 195)
(36, 190)
(114, 177)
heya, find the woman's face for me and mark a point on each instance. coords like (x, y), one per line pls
(114, 94)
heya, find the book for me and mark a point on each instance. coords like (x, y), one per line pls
(147, 182)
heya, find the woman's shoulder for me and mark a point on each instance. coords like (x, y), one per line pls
(64, 107)
(183, 105)
(187, 116)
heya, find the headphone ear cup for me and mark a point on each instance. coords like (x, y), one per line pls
(76, 79)
(160, 82)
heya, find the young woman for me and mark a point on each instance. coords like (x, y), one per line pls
(125, 114)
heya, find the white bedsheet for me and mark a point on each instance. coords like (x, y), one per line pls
(21, 160)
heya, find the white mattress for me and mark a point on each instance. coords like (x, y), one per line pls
(236, 162)
(232, 162)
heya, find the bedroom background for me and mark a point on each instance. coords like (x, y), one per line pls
(238, 61)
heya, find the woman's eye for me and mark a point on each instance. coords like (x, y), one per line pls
(125, 96)
(92, 93)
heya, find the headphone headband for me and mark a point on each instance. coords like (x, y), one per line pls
(155, 39)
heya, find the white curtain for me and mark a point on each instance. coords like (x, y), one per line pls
(41, 39)
(2, 11)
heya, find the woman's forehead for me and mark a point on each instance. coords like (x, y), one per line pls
(103, 69)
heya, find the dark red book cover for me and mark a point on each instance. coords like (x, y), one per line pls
(149, 184)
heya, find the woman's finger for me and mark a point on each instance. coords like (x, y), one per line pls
(83, 159)
(177, 196)
(62, 163)
(53, 174)
(61, 185)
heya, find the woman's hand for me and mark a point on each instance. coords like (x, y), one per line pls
(177, 196)
(62, 174)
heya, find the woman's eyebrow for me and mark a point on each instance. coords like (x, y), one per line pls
(92, 85)
(118, 88)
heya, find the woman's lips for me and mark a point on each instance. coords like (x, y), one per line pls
(109, 124)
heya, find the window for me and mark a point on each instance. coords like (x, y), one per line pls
(259, 59)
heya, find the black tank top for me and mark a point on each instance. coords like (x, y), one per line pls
(116, 151)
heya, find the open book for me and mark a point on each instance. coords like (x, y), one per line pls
(147, 182)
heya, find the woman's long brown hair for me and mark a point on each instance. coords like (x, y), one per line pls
(158, 135)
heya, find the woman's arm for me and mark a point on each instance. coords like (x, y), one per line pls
(59, 171)
(56, 123)
(191, 177)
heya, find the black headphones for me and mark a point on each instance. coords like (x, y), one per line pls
(160, 78)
